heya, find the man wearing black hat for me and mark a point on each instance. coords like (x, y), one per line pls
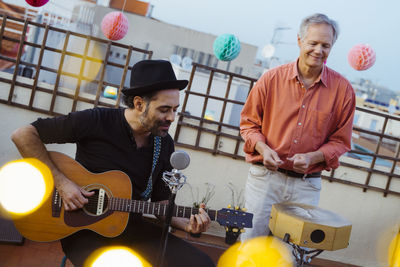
(133, 140)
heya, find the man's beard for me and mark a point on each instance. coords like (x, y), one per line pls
(154, 126)
(158, 132)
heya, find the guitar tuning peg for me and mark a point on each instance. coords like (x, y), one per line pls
(236, 207)
(235, 230)
(242, 230)
(244, 209)
(229, 206)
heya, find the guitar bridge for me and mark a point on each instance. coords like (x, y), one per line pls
(56, 204)
(100, 201)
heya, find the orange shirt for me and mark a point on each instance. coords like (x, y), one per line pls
(290, 119)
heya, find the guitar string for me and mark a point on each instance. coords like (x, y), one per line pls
(136, 205)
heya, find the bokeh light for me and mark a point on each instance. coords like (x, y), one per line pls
(24, 185)
(116, 256)
(394, 252)
(73, 64)
(257, 252)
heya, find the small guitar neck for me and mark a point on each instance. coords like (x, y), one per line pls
(155, 208)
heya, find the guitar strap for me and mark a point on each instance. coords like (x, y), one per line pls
(156, 154)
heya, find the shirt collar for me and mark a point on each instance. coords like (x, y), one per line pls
(323, 77)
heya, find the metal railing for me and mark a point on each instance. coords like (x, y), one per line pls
(58, 72)
(214, 127)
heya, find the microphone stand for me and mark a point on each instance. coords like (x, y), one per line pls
(175, 180)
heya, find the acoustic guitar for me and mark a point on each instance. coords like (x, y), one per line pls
(107, 211)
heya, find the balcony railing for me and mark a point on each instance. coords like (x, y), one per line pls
(85, 51)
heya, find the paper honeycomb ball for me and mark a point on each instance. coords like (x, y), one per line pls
(114, 25)
(226, 47)
(37, 3)
(361, 57)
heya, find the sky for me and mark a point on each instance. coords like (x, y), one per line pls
(373, 22)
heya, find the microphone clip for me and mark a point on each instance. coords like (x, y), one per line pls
(174, 179)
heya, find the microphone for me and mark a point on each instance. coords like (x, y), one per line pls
(175, 179)
(179, 160)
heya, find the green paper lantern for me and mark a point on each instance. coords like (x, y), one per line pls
(226, 47)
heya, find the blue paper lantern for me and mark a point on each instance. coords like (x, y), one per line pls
(226, 47)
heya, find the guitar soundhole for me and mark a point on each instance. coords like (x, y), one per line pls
(98, 203)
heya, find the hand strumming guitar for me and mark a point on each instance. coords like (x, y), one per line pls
(71, 194)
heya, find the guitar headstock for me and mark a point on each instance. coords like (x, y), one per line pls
(234, 218)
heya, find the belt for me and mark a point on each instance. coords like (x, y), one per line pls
(299, 175)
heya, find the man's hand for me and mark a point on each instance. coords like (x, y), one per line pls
(301, 162)
(72, 195)
(271, 159)
(199, 222)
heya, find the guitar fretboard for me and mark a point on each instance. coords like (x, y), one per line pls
(155, 208)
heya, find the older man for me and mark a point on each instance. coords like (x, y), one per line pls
(296, 122)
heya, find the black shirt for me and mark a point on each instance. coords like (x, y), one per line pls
(105, 142)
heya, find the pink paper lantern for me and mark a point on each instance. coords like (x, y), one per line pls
(361, 57)
(114, 25)
(37, 3)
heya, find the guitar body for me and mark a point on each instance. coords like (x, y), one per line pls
(51, 222)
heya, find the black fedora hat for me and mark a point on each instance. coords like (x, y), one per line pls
(148, 76)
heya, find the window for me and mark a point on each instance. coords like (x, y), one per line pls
(200, 58)
(184, 52)
(209, 60)
(373, 124)
(356, 118)
(238, 70)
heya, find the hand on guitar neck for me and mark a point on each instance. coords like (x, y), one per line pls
(197, 223)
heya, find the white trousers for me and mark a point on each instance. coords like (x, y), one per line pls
(265, 188)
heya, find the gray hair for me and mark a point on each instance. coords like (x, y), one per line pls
(318, 18)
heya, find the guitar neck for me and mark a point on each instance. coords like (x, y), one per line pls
(155, 208)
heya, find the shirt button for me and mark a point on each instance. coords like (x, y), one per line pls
(303, 106)
(299, 123)
(295, 141)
